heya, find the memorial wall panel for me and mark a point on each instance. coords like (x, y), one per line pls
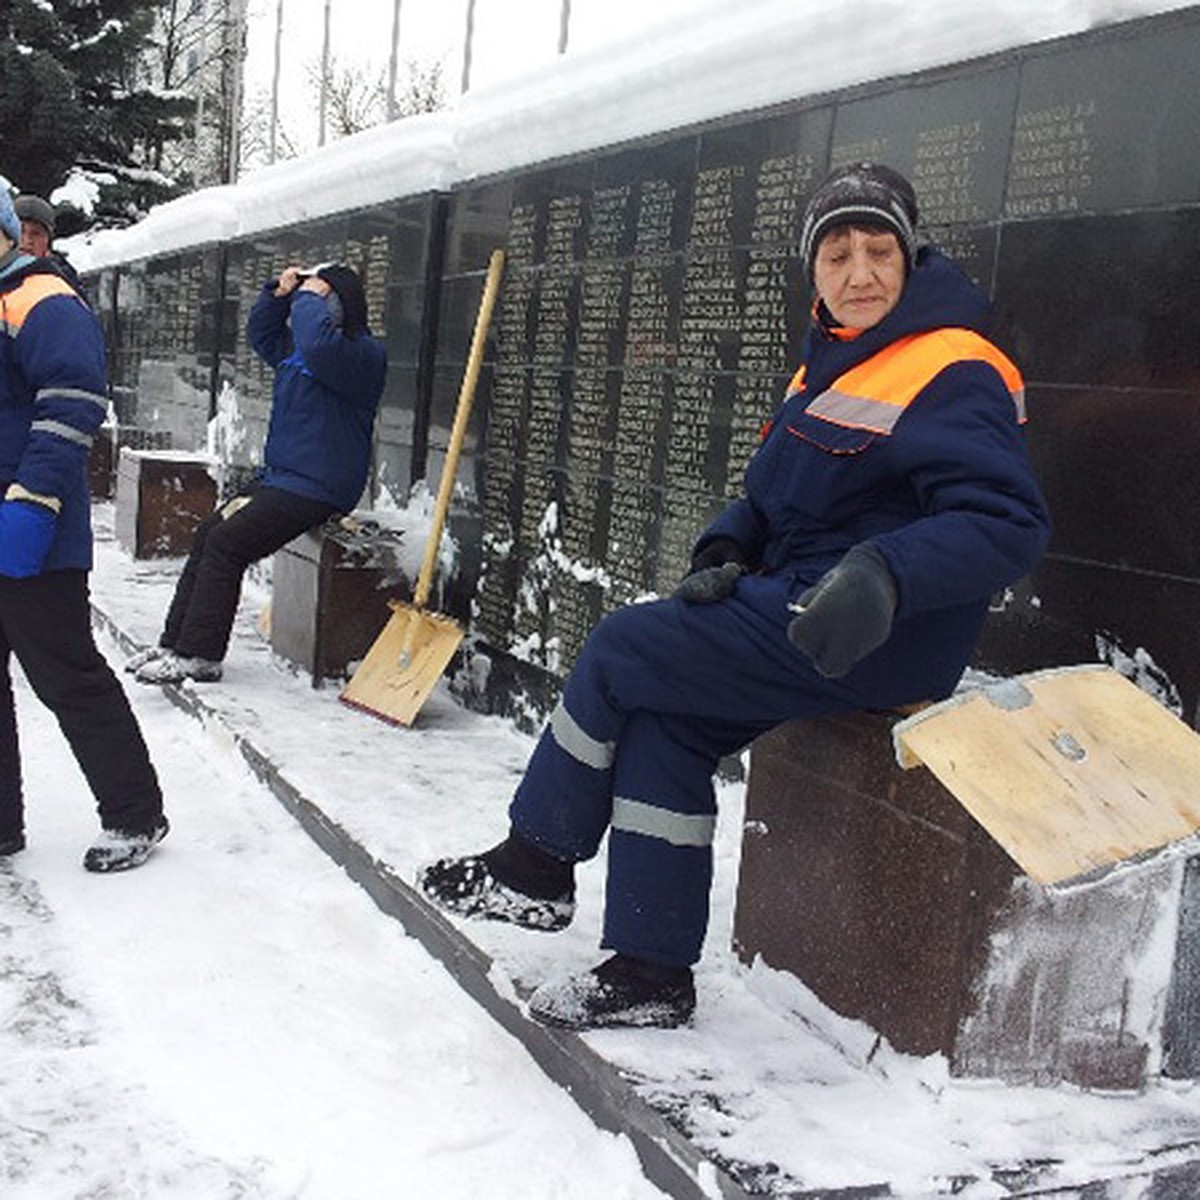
(653, 307)
(1112, 301)
(476, 225)
(952, 138)
(1116, 469)
(651, 313)
(1108, 124)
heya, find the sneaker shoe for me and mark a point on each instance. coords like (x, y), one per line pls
(142, 657)
(13, 844)
(119, 850)
(468, 887)
(621, 991)
(171, 668)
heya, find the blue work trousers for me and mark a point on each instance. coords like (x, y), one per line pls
(661, 692)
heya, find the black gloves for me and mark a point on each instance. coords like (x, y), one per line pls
(847, 613)
(714, 572)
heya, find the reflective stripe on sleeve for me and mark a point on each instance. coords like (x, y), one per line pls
(66, 432)
(52, 393)
(679, 829)
(579, 745)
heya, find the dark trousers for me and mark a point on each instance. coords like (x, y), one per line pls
(46, 622)
(659, 694)
(240, 532)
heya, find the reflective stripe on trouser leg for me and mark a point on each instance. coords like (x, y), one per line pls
(660, 844)
(564, 800)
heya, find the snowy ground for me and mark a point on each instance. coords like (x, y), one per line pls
(238, 1020)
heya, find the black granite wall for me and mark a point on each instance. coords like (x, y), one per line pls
(653, 306)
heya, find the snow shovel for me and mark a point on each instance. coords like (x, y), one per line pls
(415, 646)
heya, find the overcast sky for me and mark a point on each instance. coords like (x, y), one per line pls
(510, 37)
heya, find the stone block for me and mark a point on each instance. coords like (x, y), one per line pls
(162, 495)
(880, 892)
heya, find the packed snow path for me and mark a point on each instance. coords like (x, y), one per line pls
(236, 1019)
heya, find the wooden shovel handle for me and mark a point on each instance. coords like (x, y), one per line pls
(458, 432)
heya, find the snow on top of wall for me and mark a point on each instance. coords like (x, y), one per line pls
(728, 59)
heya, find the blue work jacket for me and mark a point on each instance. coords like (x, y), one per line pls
(909, 435)
(53, 399)
(326, 392)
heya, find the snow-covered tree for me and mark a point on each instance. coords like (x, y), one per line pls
(79, 99)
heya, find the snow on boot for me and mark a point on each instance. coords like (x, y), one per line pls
(121, 850)
(536, 892)
(148, 654)
(171, 668)
(620, 991)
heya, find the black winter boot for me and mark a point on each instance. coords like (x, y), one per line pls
(620, 991)
(12, 843)
(515, 882)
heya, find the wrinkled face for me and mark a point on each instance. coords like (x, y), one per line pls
(859, 273)
(35, 238)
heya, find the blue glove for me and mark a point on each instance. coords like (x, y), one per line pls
(26, 531)
(847, 613)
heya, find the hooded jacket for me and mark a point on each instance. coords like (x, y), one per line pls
(53, 398)
(911, 442)
(326, 392)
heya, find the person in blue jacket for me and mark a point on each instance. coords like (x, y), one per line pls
(311, 327)
(53, 398)
(891, 497)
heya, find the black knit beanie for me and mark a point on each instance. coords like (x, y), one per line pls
(345, 281)
(861, 194)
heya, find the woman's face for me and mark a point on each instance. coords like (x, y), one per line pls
(859, 273)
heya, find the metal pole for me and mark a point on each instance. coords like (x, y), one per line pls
(466, 74)
(324, 79)
(564, 25)
(235, 48)
(393, 109)
(275, 82)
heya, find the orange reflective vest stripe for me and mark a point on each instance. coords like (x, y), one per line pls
(19, 303)
(874, 394)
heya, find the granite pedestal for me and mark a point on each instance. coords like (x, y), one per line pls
(162, 495)
(329, 599)
(878, 890)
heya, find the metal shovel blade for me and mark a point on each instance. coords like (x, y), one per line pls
(403, 664)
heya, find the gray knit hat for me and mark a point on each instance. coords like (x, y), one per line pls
(34, 208)
(861, 194)
(10, 223)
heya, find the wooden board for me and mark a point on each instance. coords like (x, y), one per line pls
(1070, 770)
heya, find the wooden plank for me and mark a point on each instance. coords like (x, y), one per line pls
(1070, 770)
